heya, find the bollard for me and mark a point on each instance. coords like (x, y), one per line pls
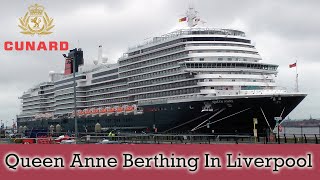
(316, 138)
(285, 138)
(295, 139)
(305, 138)
(267, 139)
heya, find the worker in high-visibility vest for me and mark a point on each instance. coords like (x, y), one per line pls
(111, 133)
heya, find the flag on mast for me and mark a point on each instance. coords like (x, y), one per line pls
(183, 19)
(292, 65)
(295, 65)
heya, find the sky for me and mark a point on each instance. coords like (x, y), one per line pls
(282, 31)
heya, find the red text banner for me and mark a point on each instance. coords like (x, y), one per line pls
(160, 161)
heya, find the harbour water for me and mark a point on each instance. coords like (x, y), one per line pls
(302, 130)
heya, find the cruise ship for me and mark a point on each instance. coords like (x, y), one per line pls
(195, 80)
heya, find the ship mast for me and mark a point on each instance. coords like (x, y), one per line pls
(192, 17)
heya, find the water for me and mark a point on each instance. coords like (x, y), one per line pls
(298, 131)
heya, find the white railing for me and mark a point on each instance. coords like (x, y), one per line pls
(200, 31)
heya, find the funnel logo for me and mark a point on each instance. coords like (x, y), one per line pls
(36, 21)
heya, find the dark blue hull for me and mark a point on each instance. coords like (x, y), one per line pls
(227, 115)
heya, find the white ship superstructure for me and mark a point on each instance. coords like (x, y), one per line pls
(185, 66)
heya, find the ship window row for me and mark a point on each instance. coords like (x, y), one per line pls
(151, 68)
(64, 86)
(168, 93)
(104, 78)
(241, 72)
(116, 94)
(47, 109)
(155, 74)
(224, 59)
(64, 91)
(46, 105)
(155, 47)
(230, 65)
(164, 86)
(64, 96)
(49, 100)
(47, 88)
(254, 88)
(94, 87)
(105, 73)
(64, 111)
(25, 100)
(125, 59)
(67, 92)
(30, 110)
(218, 39)
(191, 39)
(154, 70)
(65, 101)
(157, 54)
(46, 96)
(154, 61)
(114, 100)
(69, 80)
(107, 90)
(158, 80)
(25, 107)
(46, 91)
(223, 51)
(236, 80)
(220, 44)
(67, 105)
(30, 103)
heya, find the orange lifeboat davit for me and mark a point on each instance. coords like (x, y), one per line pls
(129, 109)
(102, 111)
(120, 110)
(87, 112)
(94, 111)
(111, 110)
(79, 113)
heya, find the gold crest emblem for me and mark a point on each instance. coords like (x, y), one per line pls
(36, 21)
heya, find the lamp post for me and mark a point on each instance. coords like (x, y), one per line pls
(74, 94)
(75, 97)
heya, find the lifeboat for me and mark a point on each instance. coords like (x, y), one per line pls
(79, 113)
(129, 108)
(102, 111)
(111, 110)
(82, 112)
(120, 109)
(95, 111)
(87, 112)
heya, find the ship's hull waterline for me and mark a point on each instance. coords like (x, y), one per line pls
(228, 115)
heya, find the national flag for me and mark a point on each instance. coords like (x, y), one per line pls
(292, 65)
(183, 19)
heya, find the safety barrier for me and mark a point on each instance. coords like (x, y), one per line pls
(172, 139)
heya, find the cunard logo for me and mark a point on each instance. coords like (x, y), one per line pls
(36, 21)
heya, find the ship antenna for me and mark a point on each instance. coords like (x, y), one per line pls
(192, 16)
(297, 77)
